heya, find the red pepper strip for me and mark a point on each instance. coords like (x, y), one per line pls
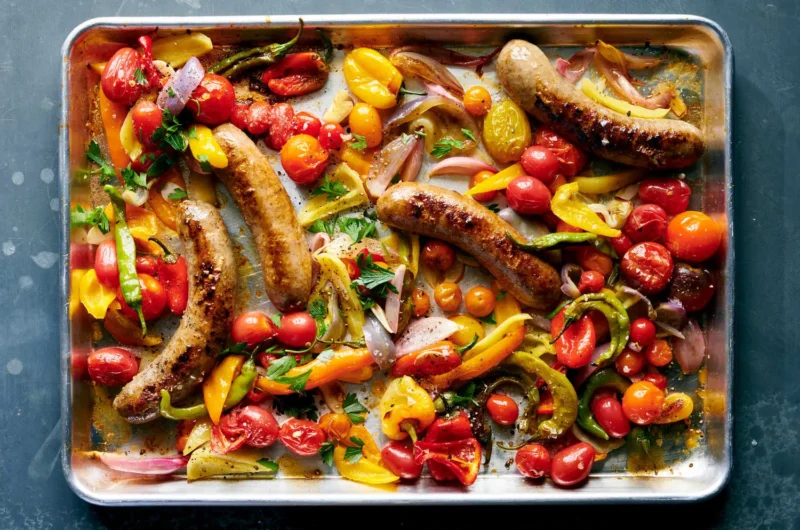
(221, 444)
(447, 430)
(462, 458)
(577, 342)
(436, 359)
(296, 74)
(152, 73)
(545, 403)
(175, 278)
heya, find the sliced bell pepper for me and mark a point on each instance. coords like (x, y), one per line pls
(570, 210)
(113, 116)
(218, 384)
(177, 49)
(372, 77)
(173, 273)
(370, 449)
(364, 470)
(95, 296)
(446, 429)
(127, 138)
(320, 207)
(358, 376)
(505, 327)
(498, 181)
(359, 161)
(143, 224)
(462, 458)
(296, 74)
(75, 289)
(405, 409)
(205, 148)
(344, 361)
(126, 331)
(623, 107)
(332, 269)
(609, 183)
(166, 210)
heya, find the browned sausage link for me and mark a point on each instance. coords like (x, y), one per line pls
(449, 216)
(268, 211)
(184, 361)
(532, 82)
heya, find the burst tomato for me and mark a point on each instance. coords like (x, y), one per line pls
(693, 236)
(533, 461)
(302, 437)
(571, 160)
(307, 123)
(119, 79)
(575, 345)
(281, 126)
(647, 222)
(647, 266)
(253, 327)
(438, 255)
(670, 193)
(303, 158)
(112, 366)
(259, 118)
(212, 101)
(154, 299)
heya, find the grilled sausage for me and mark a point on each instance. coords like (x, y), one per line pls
(184, 361)
(532, 82)
(447, 215)
(267, 210)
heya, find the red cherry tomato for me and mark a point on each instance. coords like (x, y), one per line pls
(146, 119)
(693, 236)
(297, 330)
(81, 256)
(559, 181)
(438, 255)
(258, 425)
(146, 265)
(541, 163)
(307, 123)
(528, 196)
(575, 346)
(112, 366)
(352, 267)
(259, 118)
(302, 437)
(118, 80)
(502, 409)
(281, 126)
(643, 402)
(571, 160)
(572, 465)
(591, 282)
(105, 264)
(647, 222)
(659, 353)
(670, 193)
(621, 244)
(212, 101)
(533, 461)
(253, 327)
(330, 135)
(154, 299)
(643, 332)
(240, 115)
(399, 459)
(657, 379)
(608, 411)
(647, 266)
(630, 363)
(591, 259)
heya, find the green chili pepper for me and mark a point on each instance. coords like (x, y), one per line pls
(554, 241)
(565, 400)
(327, 53)
(619, 325)
(242, 384)
(126, 256)
(607, 378)
(254, 57)
(174, 413)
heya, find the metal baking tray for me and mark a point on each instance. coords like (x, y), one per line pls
(688, 476)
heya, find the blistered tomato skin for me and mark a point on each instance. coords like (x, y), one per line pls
(502, 409)
(253, 327)
(146, 119)
(304, 159)
(240, 114)
(112, 366)
(630, 363)
(647, 222)
(281, 126)
(643, 332)
(259, 118)
(591, 282)
(648, 267)
(669, 193)
(477, 100)
(571, 160)
(659, 353)
(438, 255)
(302, 437)
(119, 77)
(212, 101)
(533, 461)
(572, 465)
(643, 402)
(307, 123)
(421, 302)
(330, 136)
(448, 296)
(480, 301)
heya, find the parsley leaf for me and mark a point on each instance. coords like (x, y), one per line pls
(444, 146)
(330, 188)
(160, 165)
(295, 382)
(357, 227)
(317, 309)
(489, 319)
(500, 295)
(321, 225)
(171, 133)
(462, 398)
(93, 154)
(239, 347)
(96, 217)
(140, 78)
(276, 319)
(170, 92)
(493, 207)
(192, 134)
(376, 279)
(269, 464)
(133, 179)
(296, 405)
(278, 367)
(354, 409)
(468, 134)
(360, 143)
(366, 300)
(466, 347)
(354, 454)
(205, 165)
(178, 194)
(326, 452)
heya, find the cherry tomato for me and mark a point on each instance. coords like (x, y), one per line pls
(572, 465)
(502, 409)
(154, 299)
(438, 255)
(146, 159)
(630, 363)
(541, 163)
(212, 101)
(575, 346)
(105, 264)
(146, 265)
(528, 196)
(259, 118)
(591, 282)
(659, 353)
(336, 425)
(448, 296)
(307, 123)
(421, 302)
(647, 222)
(112, 366)
(608, 411)
(643, 332)
(399, 459)
(670, 193)
(559, 181)
(693, 236)
(253, 327)
(571, 160)
(591, 259)
(258, 425)
(533, 461)
(476, 179)
(480, 301)
(692, 287)
(118, 80)
(297, 330)
(657, 379)
(330, 136)
(304, 159)
(146, 119)
(563, 226)
(477, 101)
(302, 437)
(643, 402)
(647, 266)
(621, 244)
(240, 115)
(353, 270)
(281, 126)
(365, 121)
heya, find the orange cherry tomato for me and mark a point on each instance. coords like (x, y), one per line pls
(693, 236)
(365, 121)
(589, 258)
(643, 402)
(476, 179)
(304, 159)
(154, 299)
(438, 255)
(502, 409)
(421, 302)
(477, 101)
(336, 425)
(480, 301)
(659, 353)
(448, 296)
(630, 362)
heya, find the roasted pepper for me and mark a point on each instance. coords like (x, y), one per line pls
(571, 210)
(128, 139)
(143, 225)
(607, 378)
(504, 328)
(254, 57)
(344, 361)
(433, 360)
(619, 325)
(166, 409)
(554, 241)
(372, 78)
(75, 277)
(300, 73)
(405, 409)
(113, 116)
(363, 470)
(174, 276)
(498, 181)
(609, 183)
(218, 385)
(334, 271)
(357, 376)
(166, 209)
(623, 107)
(320, 207)
(177, 49)
(126, 331)
(359, 161)
(450, 450)
(205, 148)
(94, 296)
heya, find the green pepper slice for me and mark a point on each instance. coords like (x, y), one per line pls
(554, 241)
(607, 378)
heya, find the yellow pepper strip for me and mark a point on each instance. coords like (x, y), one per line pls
(509, 325)
(320, 207)
(364, 470)
(95, 296)
(75, 289)
(201, 433)
(218, 384)
(372, 77)
(344, 361)
(357, 376)
(483, 362)
(126, 331)
(204, 463)
(623, 107)
(113, 116)
(677, 406)
(506, 306)
(499, 181)
(609, 183)
(204, 147)
(370, 449)
(407, 248)
(143, 225)
(166, 210)
(178, 49)
(572, 211)
(470, 328)
(359, 161)
(332, 269)
(98, 67)
(127, 138)
(405, 407)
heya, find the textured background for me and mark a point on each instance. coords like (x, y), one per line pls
(765, 485)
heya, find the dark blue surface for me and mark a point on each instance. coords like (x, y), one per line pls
(765, 486)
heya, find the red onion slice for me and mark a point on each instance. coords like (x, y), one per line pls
(392, 308)
(622, 85)
(450, 57)
(690, 352)
(651, 313)
(318, 241)
(413, 162)
(574, 68)
(439, 90)
(180, 86)
(388, 164)
(669, 330)
(671, 313)
(159, 465)
(568, 286)
(424, 332)
(460, 165)
(412, 64)
(580, 375)
(415, 108)
(379, 342)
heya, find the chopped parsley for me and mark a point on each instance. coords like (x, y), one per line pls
(177, 194)
(239, 347)
(354, 409)
(500, 295)
(468, 134)
(171, 133)
(321, 225)
(466, 347)
(159, 165)
(357, 227)
(332, 189)
(462, 398)
(205, 165)
(317, 309)
(374, 279)
(444, 146)
(279, 367)
(269, 464)
(326, 452)
(192, 134)
(96, 217)
(296, 405)
(276, 319)
(493, 207)
(106, 170)
(140, 78)
(170, 92)
(354, 454)
(133, 179)
(359, 144)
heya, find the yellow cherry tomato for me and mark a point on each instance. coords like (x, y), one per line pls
(448, 296)
(506, 132)
(477, 100)
(421, 302)
(365, 121)
(480, 301)
(470, 327)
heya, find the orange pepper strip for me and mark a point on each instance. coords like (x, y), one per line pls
(343, 362)
(483, 362)
(166, 210)
(357, 376)
(113, 115)
(498, 181)
(218, 384)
